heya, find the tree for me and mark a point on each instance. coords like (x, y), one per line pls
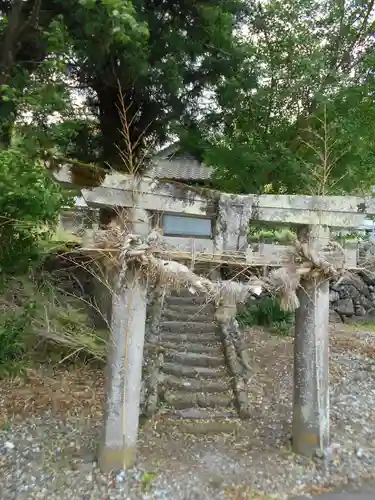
(23, 46)
(161, 55)
(304, 58)
(153, 63)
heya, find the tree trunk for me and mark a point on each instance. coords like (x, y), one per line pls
(110, 126)
(8, 55)
(7, 119)
(9, 44)
(20, 46)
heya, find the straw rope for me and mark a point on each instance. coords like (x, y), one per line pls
(143, 254)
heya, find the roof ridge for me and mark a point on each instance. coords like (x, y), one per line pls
(179, 168)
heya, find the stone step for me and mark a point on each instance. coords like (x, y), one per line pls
(192, 347)
(193, 371)
(202, 309)
(213, 427)
(194, 385)
(197, 338)
(185, 292)
(181, 400)
(182, 315)
(199, 421)
(187, 326)
(202, 413)
(181, 301)
(194, 359)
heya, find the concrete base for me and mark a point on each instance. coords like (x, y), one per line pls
(112, 459)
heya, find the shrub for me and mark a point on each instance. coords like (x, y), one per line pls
(15, 329)
(17, 308)
(266, 312)
(282, 236)
(29, 203)
(12, 328)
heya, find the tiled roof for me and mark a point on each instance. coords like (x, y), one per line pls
(170, 163)
(179, 169)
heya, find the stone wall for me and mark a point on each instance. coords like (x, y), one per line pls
(77, 275)
(354, 295)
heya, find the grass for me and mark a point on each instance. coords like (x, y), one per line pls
(368, 325)
(266, 312)
(39, 324)
(59, 240)
(287, 236)
(5, 426)
(147, 480)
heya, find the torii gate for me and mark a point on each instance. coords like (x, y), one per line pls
(312, 215)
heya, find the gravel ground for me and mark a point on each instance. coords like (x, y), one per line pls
(51, 424)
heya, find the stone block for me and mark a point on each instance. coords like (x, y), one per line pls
(345, 307)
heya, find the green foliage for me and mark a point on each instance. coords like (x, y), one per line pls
(29, 204)
(369, 326)
(147, 480)
(77, 137)
(266, 312)
(295, 72)
(70, 330)
(351, 237)
(283, 236)
(12, 330)
(15, 328)
(163, 56)
(5, 427)
(32, 66)
(307, 76)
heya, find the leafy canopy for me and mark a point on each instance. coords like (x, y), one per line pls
(252, 87)
(308, 72)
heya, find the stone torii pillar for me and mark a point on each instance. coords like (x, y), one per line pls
(124, 365)
(313, 216)
(124, 375)
(138, 197)
(311, 358)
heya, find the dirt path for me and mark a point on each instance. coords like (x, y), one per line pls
(365, 492)
(51, 425)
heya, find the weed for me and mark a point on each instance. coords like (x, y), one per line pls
(146, 480)
(5, 426)
(267, 312)
(14, 368)
(13, 326)
(369, 326)
(275, 236)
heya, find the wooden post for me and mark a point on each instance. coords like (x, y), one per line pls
(311, 357)
(124, 377)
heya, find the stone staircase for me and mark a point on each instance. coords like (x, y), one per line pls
(196, 383)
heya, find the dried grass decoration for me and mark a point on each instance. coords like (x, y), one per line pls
(122, 250)
(306, 264)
